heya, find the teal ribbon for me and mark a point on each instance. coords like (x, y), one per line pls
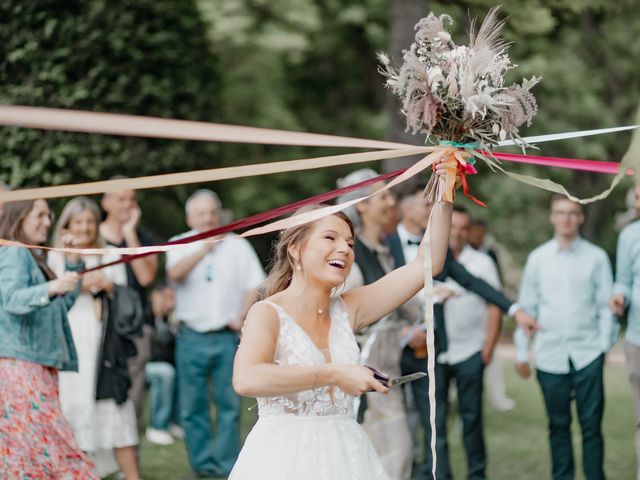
(449, 143)
(469, 145)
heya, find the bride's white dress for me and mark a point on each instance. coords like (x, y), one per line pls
(310, 435)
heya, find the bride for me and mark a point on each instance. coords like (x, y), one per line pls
(299, 355)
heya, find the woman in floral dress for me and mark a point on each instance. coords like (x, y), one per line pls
(36, 441)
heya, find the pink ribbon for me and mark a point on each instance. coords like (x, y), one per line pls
(570, 163)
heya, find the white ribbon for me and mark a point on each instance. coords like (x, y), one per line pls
(552, 137)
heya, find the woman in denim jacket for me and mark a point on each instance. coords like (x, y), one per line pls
(36, 441)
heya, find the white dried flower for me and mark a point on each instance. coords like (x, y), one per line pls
(435, 77)
(456, 92)
(383, 58)
(528, 84)
(479, 103)
(444, 37)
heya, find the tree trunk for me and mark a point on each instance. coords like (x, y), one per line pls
(403, 15)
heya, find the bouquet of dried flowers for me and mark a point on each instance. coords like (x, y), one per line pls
(457, 93)
(457, 96)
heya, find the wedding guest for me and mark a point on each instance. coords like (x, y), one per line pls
(472, 330)
(412, 362)
(626, 298)
(493, 373)
(121, 228)
(215, 284)
(36, 440)
(376, 254)
(164, 424)
(566, 285)
(478, 230)
(414, 216)
(622, 219)
(103, 428)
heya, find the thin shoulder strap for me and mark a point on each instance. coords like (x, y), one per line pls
(276, 307)
(341, 306)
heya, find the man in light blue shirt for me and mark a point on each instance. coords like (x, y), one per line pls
(566, 285)
(627, 294)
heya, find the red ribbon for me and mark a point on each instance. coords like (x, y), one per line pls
(465, 186)
(255, 219)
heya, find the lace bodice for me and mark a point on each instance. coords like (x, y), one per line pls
(296, 348)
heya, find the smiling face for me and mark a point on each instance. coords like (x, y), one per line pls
(120, 205)
(84, 228)
(35, 225)
(327, 254)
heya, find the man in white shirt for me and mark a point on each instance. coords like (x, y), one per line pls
(215, 283)
(472, 329)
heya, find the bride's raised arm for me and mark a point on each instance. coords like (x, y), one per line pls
(369, 303)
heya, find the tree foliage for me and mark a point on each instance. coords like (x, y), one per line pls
(145, 57)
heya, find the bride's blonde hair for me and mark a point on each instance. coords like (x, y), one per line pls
(282, 265)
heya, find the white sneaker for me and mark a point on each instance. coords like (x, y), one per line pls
(176, 431)
(504, 405)
(160, 437)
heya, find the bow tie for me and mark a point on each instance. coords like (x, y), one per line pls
(413, 242)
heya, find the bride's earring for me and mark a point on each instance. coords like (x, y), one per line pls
(298, 267)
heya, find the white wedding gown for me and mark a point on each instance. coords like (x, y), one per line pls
(310, 435)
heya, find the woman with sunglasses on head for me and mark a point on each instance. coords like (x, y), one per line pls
(36, 440)
(298, 354)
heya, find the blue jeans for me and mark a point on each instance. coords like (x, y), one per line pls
(163, 394)
(200, 358)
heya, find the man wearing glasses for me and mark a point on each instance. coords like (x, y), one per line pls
(215, 284)
(566, 285)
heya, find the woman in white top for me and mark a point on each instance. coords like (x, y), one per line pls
(102, 427)
(299, 356)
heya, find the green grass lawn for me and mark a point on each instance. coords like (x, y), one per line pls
(516, 441)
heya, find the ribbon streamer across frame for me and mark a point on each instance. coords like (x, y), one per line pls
(89, 122)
